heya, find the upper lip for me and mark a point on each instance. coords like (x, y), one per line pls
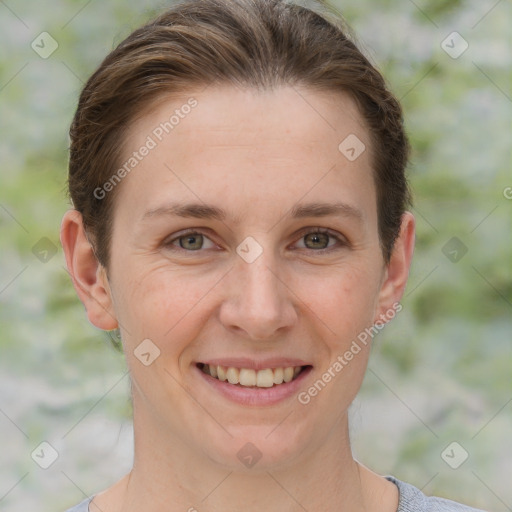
(251, 363)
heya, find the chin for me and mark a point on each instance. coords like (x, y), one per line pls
(256, 449)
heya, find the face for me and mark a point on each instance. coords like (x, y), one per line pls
(254, 277)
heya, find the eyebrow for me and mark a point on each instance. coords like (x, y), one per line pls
(208, 211)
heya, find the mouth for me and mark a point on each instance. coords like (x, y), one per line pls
(250, 378)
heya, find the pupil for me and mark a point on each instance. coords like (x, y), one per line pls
(316, 237)
(191, 238)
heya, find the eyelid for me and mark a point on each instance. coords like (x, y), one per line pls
(340, 239)
(180, 234)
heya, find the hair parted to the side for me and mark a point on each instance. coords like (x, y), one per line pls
(259, 44)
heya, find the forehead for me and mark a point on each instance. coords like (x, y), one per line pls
(242, 146)
(297, 111)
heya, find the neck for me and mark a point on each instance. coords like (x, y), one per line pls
(169, 473)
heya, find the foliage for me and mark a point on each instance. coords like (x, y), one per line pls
(440, 372)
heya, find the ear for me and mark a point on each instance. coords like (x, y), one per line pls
(88, 275)
(397, 270)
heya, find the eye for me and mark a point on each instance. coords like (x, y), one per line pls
(317, 239)
(189, 241)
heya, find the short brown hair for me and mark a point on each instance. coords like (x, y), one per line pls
(253, 43)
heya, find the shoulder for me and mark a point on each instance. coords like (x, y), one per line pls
(413, 500)
(81, 507)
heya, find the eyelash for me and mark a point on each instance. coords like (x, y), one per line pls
(340, 240)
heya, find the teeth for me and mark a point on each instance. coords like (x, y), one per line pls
(288, 374)
(278, 375)
(265, 378)
(233, 375)
(248, 377)
(221, 373)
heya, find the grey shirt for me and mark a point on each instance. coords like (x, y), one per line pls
(411, 500)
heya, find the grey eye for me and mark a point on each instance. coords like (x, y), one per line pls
(318, 240)
(192, 241)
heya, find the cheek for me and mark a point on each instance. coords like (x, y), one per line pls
(166, 306)
(344, 305)
(172, 307)
(344, 299)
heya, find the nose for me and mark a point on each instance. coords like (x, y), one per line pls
(260, 303)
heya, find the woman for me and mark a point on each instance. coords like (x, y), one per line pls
(237, 176)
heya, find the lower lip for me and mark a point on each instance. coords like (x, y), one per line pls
(255, 396)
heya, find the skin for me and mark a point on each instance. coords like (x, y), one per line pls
(256, 154)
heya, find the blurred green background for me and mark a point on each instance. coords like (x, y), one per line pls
(439, 373)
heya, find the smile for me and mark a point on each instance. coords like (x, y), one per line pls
(247, 377)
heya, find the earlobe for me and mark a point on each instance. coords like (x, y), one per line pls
(88, 275)
(397, 270)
